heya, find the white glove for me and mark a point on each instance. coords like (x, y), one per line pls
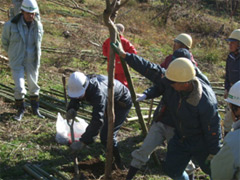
(141, 97)
(77, 146)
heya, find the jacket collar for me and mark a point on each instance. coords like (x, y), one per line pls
(195, 96)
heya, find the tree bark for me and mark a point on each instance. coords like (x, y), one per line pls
(109, 16)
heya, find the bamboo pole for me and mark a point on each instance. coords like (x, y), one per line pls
(49, 176)
(33, 173)
(59, 174)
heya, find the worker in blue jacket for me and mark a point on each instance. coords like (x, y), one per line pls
(232, 74)
(192, 106)
(162, 127)
(94, 89)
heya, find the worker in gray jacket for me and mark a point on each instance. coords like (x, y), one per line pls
(192, 106)
(94, 89)
(226, 164)
(21, 38)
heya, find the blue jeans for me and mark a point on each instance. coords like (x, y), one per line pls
(181, 152)
(120, 116)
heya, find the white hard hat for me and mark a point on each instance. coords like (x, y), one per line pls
(234, 36)
(180, 70)
(77, 84)
(29, 6)
(184, 38)
(234, 94)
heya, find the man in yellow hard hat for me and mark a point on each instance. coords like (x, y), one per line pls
(192, 106)
(184, 41)
(232, 73)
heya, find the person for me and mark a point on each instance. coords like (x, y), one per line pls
(21, 38)
(226, 164)
(183, 40)
(162, 127)
(191, 105)
(94, 89)
(232, 73)
(127, 46)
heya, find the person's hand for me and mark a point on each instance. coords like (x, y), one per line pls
(225, 94)
(209, 158)
(77, 146)
(141, 97)
(117, 48)
(71, 114)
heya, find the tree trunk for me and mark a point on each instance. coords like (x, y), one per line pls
(109, 16)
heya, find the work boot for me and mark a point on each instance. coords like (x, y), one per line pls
(117, 158)
(21, 108)
(35, 106)
(131, 173)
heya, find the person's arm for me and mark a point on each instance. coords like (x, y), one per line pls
(97, 120)
(149, 70)
(6, 36)
(210, 122)
(73, 104)
(128, 47)
(152, 92)
(222, 165)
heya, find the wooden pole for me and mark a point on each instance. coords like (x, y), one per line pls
(110, 106)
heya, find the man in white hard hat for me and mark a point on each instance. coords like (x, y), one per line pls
(21, 38)
(94, 89)
(226, 164)
(192, 107)
(232, 73)
(127, 46)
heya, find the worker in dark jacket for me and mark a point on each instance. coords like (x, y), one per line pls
(162, 127)
(94, 89)
(192, 106)
(232, 73)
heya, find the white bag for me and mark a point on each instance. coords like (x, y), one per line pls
(63, 135)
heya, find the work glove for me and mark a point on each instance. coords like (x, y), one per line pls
(117, 48)
(209, 158)
(77, 146)
(71, 114)
(141, 97)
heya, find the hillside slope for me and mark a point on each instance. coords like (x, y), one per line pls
(72, 41)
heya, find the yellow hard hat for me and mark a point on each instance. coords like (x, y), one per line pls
(234, 36)
(184, 38)
(180, 70)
